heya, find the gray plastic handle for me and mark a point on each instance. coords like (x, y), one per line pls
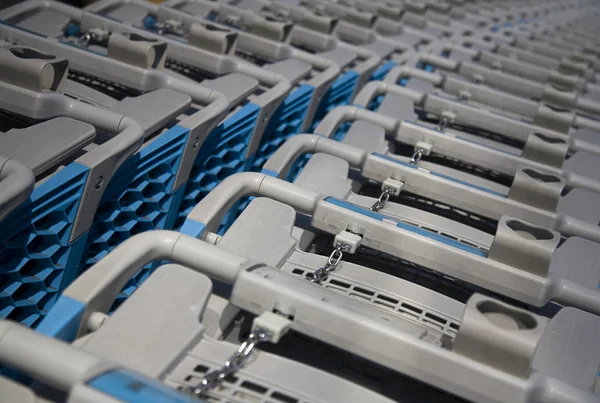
(399, 72)
(98, 287)
(47, 360)
(282, 160)
(16, 185)
(212, 209)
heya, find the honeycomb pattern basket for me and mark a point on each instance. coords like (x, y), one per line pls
(224, 153)
(286, 122)
(37, 258)
(340, 93)
(381, 72)
(141, 197)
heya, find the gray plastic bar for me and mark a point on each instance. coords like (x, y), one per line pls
(452, 146)
(16, 184)
(215, 104)
(395, 343)
(103, 160)
(98, 287)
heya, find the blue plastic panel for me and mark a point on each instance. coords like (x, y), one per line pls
(340, 93)
(381, 72)
(36, 258)
(285, 123)
(222, 154)
(139, 198)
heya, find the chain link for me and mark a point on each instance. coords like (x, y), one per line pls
(383, 199)
(442, 124)
(332, 264)
(417, 155)
(85, 39)
(233, 364)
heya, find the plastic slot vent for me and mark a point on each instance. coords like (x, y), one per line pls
(422, 203)
(405, 308)
(240, 387)
(485, 173)
(113, 90)
(401, 268)
(192, 72)
(391, 384)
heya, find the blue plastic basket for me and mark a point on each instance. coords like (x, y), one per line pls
(285, 123)
(381, 72)
(340, 93)
(140, 198)
(37, 260)
(223, 153)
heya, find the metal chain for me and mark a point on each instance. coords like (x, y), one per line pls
(332, 264)
(233, 364)
(85, 39)
(383, 199)
(443, 123)
(417, 155)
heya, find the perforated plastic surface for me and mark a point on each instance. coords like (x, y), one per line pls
(139, 198)
(222, 154)
(381, 72)
(285, 123)
(340, 93)
(36, 258)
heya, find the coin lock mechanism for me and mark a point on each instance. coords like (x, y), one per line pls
(31, 69)
(213, 38)
(137, 50)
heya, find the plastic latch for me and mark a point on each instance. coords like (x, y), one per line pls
(465, 95)
(449, 116)
(425, 146)
(478, 79)
(275, 324)
(349, 240)
(393, 185)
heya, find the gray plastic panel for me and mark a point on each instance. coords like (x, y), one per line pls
(46, 144)
(131, 13)
(194, 8)
(292, 69)
(15, 392)
(46, 22)
(367, 136)
(583, 163)
(257, 232)
(150, 109)
(420, 85)
(326, 175)
(569, 350)
(380, 48)
(172, 298)
(342, 57)
(397, 107)
(234, 86)
(578, 260)
(581, 204)
(587, 135)
(408, 38)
